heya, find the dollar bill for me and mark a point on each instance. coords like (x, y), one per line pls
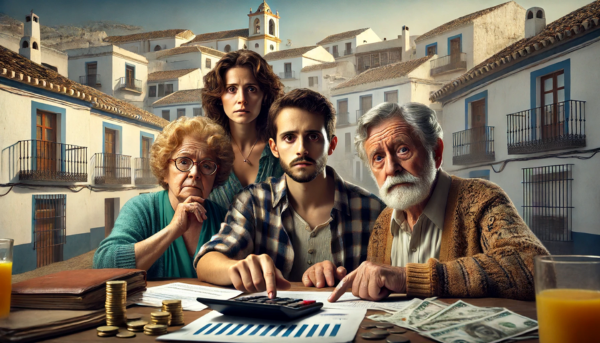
(459, 312)
(491, 329)
(399, 318)
(425, 310)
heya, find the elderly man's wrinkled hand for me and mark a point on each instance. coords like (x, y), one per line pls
(257, 273)
(372, 282)
(323, 274)
(188, 213)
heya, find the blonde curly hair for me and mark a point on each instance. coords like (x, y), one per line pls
(201, 128)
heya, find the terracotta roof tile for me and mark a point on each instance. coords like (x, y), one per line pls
(18, 68)
(180, 97)
(179, 33)
(340, 36)
(390, 71)
(456, 23)
(572, 25)
(220, 35)
(169, 74)
(187, 49)
(297, 52)
(322, 66)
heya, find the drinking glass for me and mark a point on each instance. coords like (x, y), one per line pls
(6, 256)
(567, 292)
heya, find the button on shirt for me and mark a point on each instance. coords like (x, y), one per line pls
(310, 245)
(425, 240)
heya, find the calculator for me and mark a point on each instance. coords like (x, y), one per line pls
(258, 306)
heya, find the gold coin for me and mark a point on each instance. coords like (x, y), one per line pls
(137, 323)
(104, 334)
(126, 334)
(171, 302)
(116, 282)
(134, 316)
(108, 328)
(160, 314)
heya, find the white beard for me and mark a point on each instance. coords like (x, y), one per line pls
(405, 196)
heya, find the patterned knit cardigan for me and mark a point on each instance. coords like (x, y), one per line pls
(486, 250)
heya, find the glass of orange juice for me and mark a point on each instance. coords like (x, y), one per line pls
(6, 259)
(567, 293)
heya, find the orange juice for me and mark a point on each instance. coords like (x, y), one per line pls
(5, 287)
(568, 315)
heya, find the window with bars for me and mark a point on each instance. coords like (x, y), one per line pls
(152, 91)
(180, 112)
(208, 63)
(547, 201)
(168, 88)
(197, 112)
(49, 222)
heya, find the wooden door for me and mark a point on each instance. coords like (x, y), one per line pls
(455, 51)
(92, 71)
(130, 77)
(287, 67)
(110, 153)
(146, 143)
(478, 137)
(48, 241)
(46, 153)
(109, 216)
(552, 99)
(366, 102)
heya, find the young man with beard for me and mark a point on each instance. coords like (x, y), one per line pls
(284, 228)
(441, 235)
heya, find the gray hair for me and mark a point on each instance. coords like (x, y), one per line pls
(421, 119)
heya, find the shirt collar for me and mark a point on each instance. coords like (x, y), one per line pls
(435, 209)
(340, 202)
(266, 152)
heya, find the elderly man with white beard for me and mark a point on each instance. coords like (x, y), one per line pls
(441, 235)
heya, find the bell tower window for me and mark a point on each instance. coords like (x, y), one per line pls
(272, 27)
(34, 45)
(25, 44)
(256, 25)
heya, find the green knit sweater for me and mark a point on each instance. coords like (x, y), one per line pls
(139, 219)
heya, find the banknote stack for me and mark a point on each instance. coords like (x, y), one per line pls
(459, 322)
(116, 301)
(175, 309)
(160, 318)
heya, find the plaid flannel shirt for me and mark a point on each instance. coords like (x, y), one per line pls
(257, 220)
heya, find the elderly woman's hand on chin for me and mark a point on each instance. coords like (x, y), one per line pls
(189, 214)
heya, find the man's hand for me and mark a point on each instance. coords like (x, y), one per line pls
(323, 274)
(372, 281)
(256, 274)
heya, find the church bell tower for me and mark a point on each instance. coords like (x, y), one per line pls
(263, 27)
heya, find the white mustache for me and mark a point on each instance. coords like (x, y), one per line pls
(404, 177)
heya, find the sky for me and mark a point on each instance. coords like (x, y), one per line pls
(304, 22)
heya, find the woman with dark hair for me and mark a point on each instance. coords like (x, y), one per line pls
(237, 94)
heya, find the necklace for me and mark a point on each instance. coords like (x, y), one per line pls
(242, 153)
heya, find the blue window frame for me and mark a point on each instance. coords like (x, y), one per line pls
(481, 174)
(469, 100)
(453, 37)
(430, 45)
(119, 130)
(147, 135)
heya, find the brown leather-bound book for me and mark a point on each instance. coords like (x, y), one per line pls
(83, 289)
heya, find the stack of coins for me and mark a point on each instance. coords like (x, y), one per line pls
(175, 309)
(116, 300)
(107, 331)
(136, 326)
(160, 318)
(155, 329)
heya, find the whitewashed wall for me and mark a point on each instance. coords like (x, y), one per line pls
(189, 110)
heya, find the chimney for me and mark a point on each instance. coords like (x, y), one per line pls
(405, 43)
(30, 43)
(535, 21)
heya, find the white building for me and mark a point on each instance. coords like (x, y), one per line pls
(525, 118)
(385, 52)
(184, 103)
(71, 157)
(163, 83)
(399, 82)
(30, 45)
(287, 64)
(110, 69)
(141, 43)
(325, 76)
(343, 45)
(261, 36)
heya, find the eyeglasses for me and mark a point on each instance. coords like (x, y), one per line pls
(184, 164)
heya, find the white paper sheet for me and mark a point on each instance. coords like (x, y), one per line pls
(153, 296)
(346, 301)
(325, 326)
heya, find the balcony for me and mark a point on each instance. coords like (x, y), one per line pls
(112, 169)
(552, 127)
(143, 174)
(474, 145)
(347, 52)
(448, 64)
(343, 119)
(50, 161)
(287, 75)
(92, 80)
(129, 84)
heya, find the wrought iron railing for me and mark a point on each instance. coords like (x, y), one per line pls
(130, 84)
(50, 161)
(92, 80)
(112, 169)
(448, 63)
(473, 145)
(143, 174)
(347, 52)
(343, 118)
(287, 75)
(552, 127)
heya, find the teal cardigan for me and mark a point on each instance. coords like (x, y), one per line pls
(139, 219)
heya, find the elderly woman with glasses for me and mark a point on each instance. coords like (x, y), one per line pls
(162, 232)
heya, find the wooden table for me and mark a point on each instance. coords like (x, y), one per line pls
(525, 308)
